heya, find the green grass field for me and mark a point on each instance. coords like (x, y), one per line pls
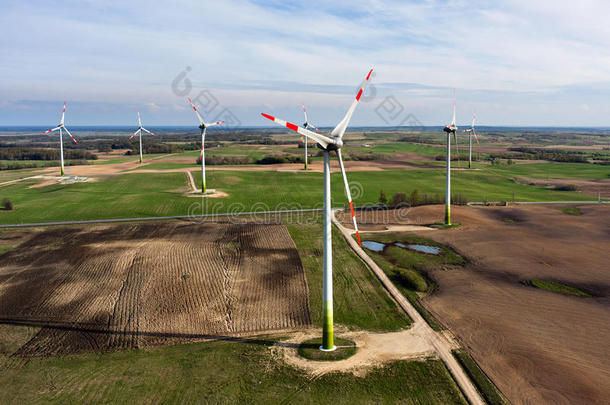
(215, 372)
(159, 194)
(360, 302)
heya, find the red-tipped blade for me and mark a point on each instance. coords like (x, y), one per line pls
(349, 195)
(342, 126)
(324, 141)
(66, 129)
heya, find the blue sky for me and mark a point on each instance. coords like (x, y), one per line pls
(516, 62)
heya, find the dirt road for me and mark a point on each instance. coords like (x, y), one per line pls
(440, 343)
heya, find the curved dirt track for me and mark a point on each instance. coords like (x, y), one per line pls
(135, 285)
(539, 347)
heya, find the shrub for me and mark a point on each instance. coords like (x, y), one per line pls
(383, 200)
(414, 198)
(566, 187)
(7, 204)
(398, 199)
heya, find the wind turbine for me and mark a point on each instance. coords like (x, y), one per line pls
(139, 132)
(334, 142)
(307, 125)
(449, 129)
(471, 132)
(61, 127)
(203, 126)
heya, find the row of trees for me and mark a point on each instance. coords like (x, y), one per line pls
(21, 153)
(416, 198)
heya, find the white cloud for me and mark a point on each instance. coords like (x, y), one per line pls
(507, 53)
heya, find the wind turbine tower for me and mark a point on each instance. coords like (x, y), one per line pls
(203, 126)
(449, 129)
(328, 144)
(139, 132)
(61, 127)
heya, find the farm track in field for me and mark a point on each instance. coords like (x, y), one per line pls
(127, 286)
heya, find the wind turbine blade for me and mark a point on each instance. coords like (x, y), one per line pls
(51, 130)
(342, 126)
(457, 149)
(139, 120)
(349, 195)
(66, 129)
(476, 138)
(324, 141)
(305, 114)
(147, 131)
(63, 114)
(197, 112)
(474, 118)
(214, 123)
(134, 134)
(453, 120)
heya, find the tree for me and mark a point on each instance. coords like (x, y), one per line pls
(7, 204)
(383, 200)
(398, 199)
(414, 199)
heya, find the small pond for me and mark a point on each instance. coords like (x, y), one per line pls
(378, 247)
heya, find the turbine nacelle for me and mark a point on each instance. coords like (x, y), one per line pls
(332, 146)
(450, 129)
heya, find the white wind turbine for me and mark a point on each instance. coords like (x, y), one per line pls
(139, 133)
(307, 125)
(471, 132)
(61, 127)
(330, 143)
(203, 126)
(449, 129)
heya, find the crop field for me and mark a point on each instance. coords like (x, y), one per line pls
(538, 345)
(130, 286)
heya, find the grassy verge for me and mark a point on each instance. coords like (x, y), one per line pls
(360, 301)
(310, 349)
(5, 249)
(486, 388)
(570, 210)
(216, 372)
(557, 287)
(408, 269)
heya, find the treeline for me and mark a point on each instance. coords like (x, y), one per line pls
(554, 155)
(44, 154)
(245, 160)
(415, 198)
(420, 139)
(357, 156)
(16, 165)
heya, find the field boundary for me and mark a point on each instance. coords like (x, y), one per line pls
(141, 219)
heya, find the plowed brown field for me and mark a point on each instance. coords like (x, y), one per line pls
(539, 347)
(125, 286)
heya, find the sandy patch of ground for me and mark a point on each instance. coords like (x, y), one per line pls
(374, 349)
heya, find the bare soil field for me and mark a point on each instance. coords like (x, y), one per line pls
(135, 285)
(539, 347)
(599, 187)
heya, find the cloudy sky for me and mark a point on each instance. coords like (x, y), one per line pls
(517, 62)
